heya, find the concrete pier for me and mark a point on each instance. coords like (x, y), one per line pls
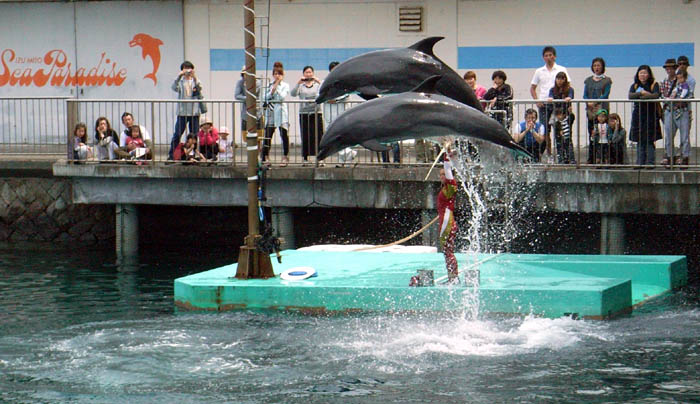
(283, 223)
(612, 234)
(127, 229)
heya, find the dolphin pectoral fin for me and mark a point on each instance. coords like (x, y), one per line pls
(367, 97)
(426, 45)
(428, 85)
(370, 90)
(373, 145)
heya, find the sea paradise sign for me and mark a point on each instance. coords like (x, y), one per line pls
(55, 69)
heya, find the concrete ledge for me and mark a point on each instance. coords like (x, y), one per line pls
(26, 169)
(562, 189)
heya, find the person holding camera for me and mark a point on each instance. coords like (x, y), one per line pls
(187, 87)
(276, 116)
(311, 121)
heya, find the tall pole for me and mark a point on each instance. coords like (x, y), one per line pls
(251, 114)
(251, 262)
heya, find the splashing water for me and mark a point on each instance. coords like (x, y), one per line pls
(498, 195)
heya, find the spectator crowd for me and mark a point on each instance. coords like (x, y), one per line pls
(546, 130)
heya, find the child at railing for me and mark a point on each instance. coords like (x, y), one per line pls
(562, 135)
(617, 139)
(81, 151)
(188, 150)
(562, 90)
(225, 146)
(135, 144)
(601, 138)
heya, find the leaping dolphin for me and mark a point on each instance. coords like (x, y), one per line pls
(418, 114)
(392, 71)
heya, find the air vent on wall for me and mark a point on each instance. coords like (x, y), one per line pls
(410, 19)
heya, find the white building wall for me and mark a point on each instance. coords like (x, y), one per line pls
(300, 32)
(571, 22)
(303, 25)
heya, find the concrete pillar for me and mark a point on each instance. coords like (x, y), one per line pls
(283, 223)
(612, 234)
(430, 235)
(127, 230)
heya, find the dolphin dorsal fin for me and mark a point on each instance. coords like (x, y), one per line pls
(426, 45)
(427, 86)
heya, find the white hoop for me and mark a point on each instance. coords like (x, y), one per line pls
(298, 273)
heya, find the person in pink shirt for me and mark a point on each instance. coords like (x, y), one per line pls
(470, 78)
(208, 140)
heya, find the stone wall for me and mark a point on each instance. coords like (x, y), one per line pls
(41, 210)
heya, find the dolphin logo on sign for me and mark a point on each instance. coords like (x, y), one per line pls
(150, 47)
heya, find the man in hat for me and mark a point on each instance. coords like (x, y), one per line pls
(667, 86)
(683, 64)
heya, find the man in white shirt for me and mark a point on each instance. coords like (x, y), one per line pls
(128, 122)
(542, 82)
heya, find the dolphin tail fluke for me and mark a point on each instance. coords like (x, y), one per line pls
(426, 45)
(151, 76)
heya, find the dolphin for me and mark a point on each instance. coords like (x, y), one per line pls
(150, 47)
(418, 114)
(392, 71)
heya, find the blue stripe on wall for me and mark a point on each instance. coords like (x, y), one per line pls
(530, 57)
(293, 59)
(473, 57)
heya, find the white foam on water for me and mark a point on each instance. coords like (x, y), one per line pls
(406, 341)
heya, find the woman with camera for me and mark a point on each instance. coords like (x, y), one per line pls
(311, 121)
(187, 87)
(276, 115)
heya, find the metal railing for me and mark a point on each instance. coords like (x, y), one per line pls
(32, 125)
(44, 125)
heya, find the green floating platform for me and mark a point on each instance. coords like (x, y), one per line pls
(589, 286)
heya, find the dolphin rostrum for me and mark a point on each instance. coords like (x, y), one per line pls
(413, 115)
(392, 71)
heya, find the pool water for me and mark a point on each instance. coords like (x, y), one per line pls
(79, 329)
